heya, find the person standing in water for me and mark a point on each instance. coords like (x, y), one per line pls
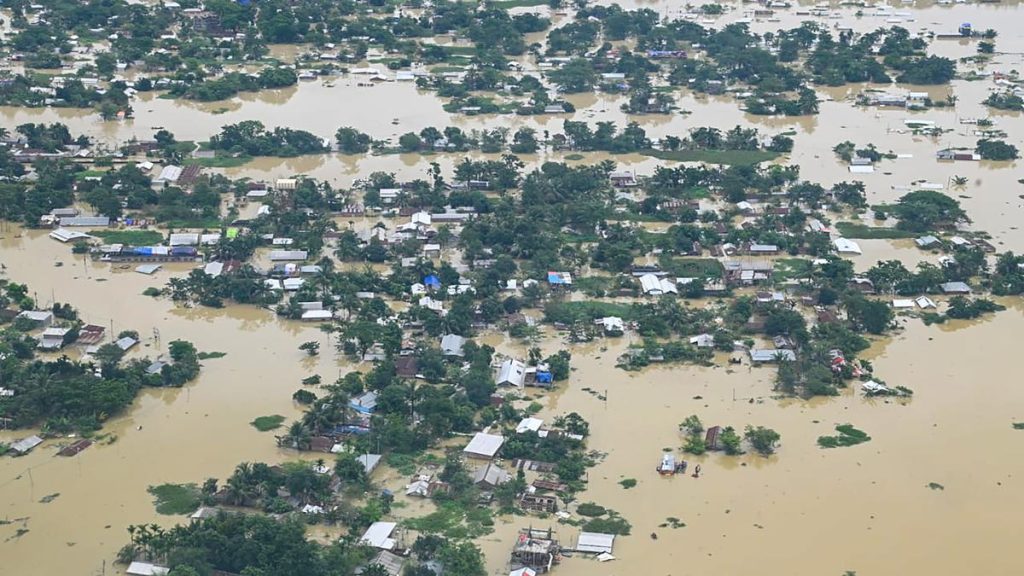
(696, 471)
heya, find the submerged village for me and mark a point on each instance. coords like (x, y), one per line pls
(510, 287)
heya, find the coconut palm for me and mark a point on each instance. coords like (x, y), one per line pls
(960, 181)
(298, 437)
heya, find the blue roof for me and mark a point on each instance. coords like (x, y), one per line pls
(558, 278)
(432, 280)
(544, 377)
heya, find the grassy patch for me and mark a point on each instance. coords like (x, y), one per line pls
(89, 174)
(1018, 425)
(130, 237)
(268, 423)
(506, 4)
(936, 486)
(790, 268)
(404, 463)
(613, 524)
(443, 69)
(627, 483)
(219, 161)
(198, 223)
(152, 292)
(211, 355)
(848, 436)
(691, 267)
(569, 312)
(593, 285)
(726, 157)
(862, 232)
(591, 509)
(175, 498)
(454, 520)
(574, 157)
(462, 50)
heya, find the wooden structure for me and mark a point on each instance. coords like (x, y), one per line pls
(536, 549)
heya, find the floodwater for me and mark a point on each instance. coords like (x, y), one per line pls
(804, 511)
(867, 508)
(186, 435)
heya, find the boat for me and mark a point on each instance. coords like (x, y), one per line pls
(668, 465)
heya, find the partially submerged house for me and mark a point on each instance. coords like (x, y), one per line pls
(511, 372)
(490, 476)
(288, 255)
(612, 325)
(560, 279)
(55, 338)
(955, 288)
(484, 446)
(25, 445)
(767, 355)
(652, 285)
(379, 535)
(64, 235)
(85, 221)
(703, 341)
(365, 403)
(535, 549)
(529, 424)
(846, 246)
(451, 345)
(392, 563)
(40, 318)
(146, 569)
(369, 462)
(622, 179)
(595, 543)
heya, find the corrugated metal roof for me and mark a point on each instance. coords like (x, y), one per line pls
(595, 542)
(85, 221)
(378, 535)
(485, 444)
(282, 255)
(25, 444)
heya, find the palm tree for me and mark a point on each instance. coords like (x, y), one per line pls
(960, 181)
(298, 437)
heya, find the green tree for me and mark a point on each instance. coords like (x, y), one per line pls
(927, 210)
(730, 441)
(352, 141)
(461, 559)
(763, 440)
(872, 315)
(692, 425)
(410, 142)
(996, 150)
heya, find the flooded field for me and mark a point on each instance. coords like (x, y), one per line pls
(805, 511)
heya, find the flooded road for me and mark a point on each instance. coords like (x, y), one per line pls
(806, 511)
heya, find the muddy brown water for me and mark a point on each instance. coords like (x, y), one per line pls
(803, 511)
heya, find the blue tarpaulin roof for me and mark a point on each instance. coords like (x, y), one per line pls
(559, 278)
(432, 280)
